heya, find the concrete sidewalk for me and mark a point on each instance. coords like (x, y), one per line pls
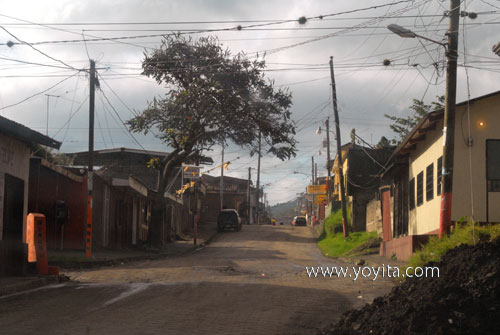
(71, 259)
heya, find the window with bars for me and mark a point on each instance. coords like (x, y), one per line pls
(439, 174)
(493, 165)
(429, 182)
(411, 195)
(420, 188)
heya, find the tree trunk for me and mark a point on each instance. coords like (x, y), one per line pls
(158, 225)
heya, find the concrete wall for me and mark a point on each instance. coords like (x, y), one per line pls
(374, 217)
(14, 160)
(487, 111)
(46, 187)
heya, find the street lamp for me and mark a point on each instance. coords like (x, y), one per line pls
(449, 109)
(320, 130)
(407, 33)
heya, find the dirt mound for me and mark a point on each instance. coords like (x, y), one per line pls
(465, 299)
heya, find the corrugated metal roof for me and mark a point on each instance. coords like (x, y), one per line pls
(25, 134)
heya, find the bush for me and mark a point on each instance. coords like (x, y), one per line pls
(463, 233)
(332, 242)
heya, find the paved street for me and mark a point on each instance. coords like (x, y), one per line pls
(248, 282)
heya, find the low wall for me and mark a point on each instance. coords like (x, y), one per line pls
(374, 217)
(402, 247)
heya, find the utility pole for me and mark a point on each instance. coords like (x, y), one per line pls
(258, 179)
(313, 181)
(265, 203)
(316, 173)
(449, 119)
(48, 98)
(90, 173)
(339, 151)
(328, 167)
(248, 193)
(221, 186)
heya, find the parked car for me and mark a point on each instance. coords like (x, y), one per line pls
(228, 218)
(299, 221)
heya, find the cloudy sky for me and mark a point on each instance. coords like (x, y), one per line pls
(64, 34)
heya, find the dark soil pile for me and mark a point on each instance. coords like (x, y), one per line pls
(465, 299)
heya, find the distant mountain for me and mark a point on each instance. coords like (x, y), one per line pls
(284, 212)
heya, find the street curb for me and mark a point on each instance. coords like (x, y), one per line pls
(120, 261)
(24, 285)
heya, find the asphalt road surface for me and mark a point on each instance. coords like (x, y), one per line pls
(248, 282)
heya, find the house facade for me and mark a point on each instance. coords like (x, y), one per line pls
(361, 168)
(415, 175)
(16, 144)
(125, 189)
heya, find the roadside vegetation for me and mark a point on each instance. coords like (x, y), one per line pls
(464, 233)
(333, 244)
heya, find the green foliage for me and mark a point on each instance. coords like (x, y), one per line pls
(213, 97)
(383, 143)
(332, 242)
(418, 109)
(333, 223)
(462, 234)
(153, 163)
(336, 245)
(48, 154)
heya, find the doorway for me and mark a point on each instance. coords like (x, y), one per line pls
(13, 209)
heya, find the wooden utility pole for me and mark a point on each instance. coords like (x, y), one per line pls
(449, 119)
(339, 152)
(328, 167)
(221, 186)
(313, 181)
(316, 173)
(90, 173)
(248, 194)
(258, 179)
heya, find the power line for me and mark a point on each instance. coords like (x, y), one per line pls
(39, 93)
(37, 50)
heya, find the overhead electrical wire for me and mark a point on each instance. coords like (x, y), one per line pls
(39, 93)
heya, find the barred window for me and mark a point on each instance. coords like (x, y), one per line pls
(493, 165)
(439, 174)
(411, 196)
(429, 182)
(420, 188)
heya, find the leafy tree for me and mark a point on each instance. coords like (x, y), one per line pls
(44, 152)
(383, 143)
(212, 98)
(403, 126)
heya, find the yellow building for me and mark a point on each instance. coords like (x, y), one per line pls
(416, 167)
(361, 167)
(335, 171)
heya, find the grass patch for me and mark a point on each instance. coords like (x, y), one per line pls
(332, 242)
(461, 234)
